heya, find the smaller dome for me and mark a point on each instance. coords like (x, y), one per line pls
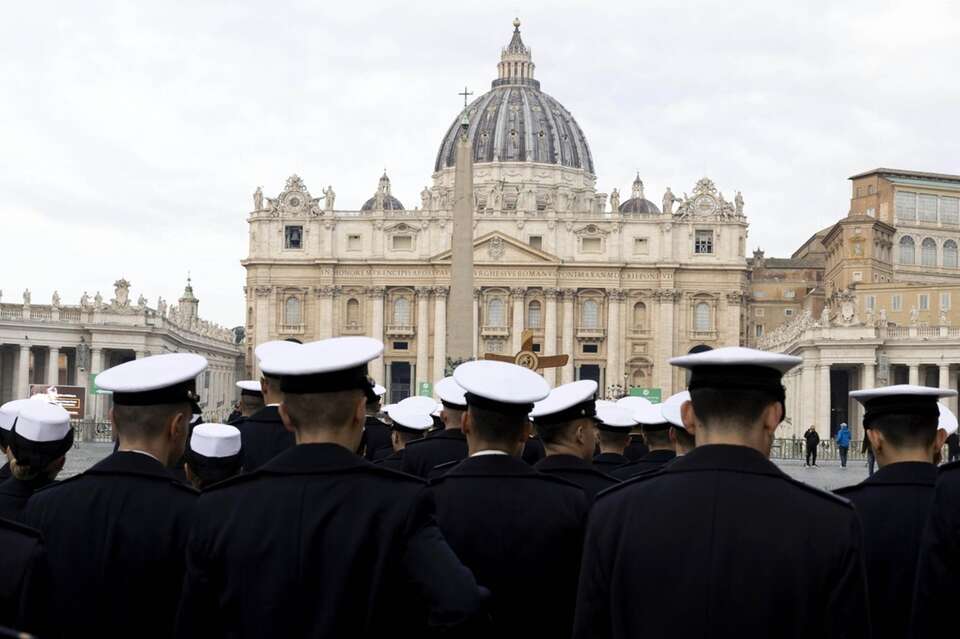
(639, 205)
(390, 203)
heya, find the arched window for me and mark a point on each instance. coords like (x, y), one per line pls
(353, 312)
(950, 254)
(291, 311)
(496, 313)
(907, 250)
(401, 312)
(928, 252)
(590, 314)
(701, 317)
(640, 316)
(534, 315)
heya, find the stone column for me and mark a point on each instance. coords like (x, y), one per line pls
(569, 295)
(324, 328)
(439, 333)
(423, 339)
(375, 296)
(476, 323)
(261, 327)
(53, 366)
(807, 393)
(614, 372)
(665, 339)
(914, 370)
(550, 333)
(516, 333)
(96, 366)
(823, 400)
(945, 381)
(22, 389)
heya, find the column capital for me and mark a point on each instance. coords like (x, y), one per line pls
(477, 292)
(376, 291)
(518, 292)
(551, 293)
(263, 291)
(423, 291)
(441, 292)
(324, 291)
(569, 294)
(616, 295)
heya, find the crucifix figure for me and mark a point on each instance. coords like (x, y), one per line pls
(527, 358)
(465, 95)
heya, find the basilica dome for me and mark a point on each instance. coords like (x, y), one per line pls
(637, 202)
(516, 122)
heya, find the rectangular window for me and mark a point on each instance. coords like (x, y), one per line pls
(293, 237)
(871, 302)
(788, 312)
(923, 301)
(536, 348)
(591, 245)
(927, 208)
(591, 348)
(641, 246)
(401, 346)
(896, 303)
(703, 242)
(789, 294)
(858, 276)
(759, 330)
(758, 312)
(906, 203)
(950, 210)
(494, 346)
(944, 301)
(759, 294)
(536, 241)
(872, 212)
(354, 243)
(402, 242)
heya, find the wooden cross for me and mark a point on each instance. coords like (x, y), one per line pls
(465, 95)
(527, 358)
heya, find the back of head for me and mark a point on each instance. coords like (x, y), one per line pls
(493, 426)
(907, 431)
(331, 411)
(730, 409)
(145, 423)
(613, 439)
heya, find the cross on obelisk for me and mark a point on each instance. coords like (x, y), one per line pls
(528, 359)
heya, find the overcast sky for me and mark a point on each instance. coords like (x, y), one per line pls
(132, 135)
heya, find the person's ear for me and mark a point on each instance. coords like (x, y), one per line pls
(527, 431)
(360, 414)
(285, 417)
(264, 386)
(771, 417)
(581, 435)
(939, 439)
(672, 434)
(394, 438)
(689, 417)
(466, 423)
(876, 439)
(175, 426)
(463, 419)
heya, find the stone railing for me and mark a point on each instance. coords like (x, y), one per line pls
(789, 334)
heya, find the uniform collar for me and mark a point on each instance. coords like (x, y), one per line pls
(611, 457)
(314, 458)
(482, 453)
(658, 456)
(564, 462)
(266, 414)
(724, 457)
(918, 473)
(124, 462)
(20, 488)
(491, 465)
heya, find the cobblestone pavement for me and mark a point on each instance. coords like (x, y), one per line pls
(827, 476)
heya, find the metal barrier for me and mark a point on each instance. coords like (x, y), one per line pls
(795, 448)
(88, 430)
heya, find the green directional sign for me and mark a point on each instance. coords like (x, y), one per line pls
(653, 394)
(425, 389)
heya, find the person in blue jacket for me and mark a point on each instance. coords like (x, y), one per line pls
(843, 443)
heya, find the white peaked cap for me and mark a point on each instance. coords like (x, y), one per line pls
(152, 373)
(671, 408)
(501, 382)
(409, 419)
(907, 390)
(948, 421)
(650, 415)
(738, 356)
(605, 402)
(43, 422)
(275, 348)
(215, 440)
(9, 412)
(313, 358)
(251, 385)
(379, 390)
(387, 407)
(449, 391)
(417, 404)
(563, 397)
(633, 403)
(615, 418)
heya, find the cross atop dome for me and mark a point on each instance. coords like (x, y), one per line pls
(516, 61)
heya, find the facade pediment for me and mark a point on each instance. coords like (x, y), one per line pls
(499, 247)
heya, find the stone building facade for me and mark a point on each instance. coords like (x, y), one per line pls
(881, 308)
(65, 344)
(619, 288)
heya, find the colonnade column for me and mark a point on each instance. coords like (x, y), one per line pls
(914, 370)
(476, 323)
(569, 295)
(550, 333)
(22, 389)
(96, 367)
(53, 366)
(516, 333)
(261, 329)
(375, 295)
(423, 332)
(823, 400)
(614, 373)
(439, 333)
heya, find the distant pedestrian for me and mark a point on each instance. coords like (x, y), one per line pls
(867, 450)
(812, 440)
(843, 443)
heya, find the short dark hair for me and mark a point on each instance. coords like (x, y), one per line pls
(406, 436)
(252, 402)
(496, 427)
(657, 437)
(684, 438)
(312, 411)
(558, 432)
(906, 430)
(613, 438)
(737, 406)
(145, 422)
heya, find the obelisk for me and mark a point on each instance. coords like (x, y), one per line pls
(460, 307)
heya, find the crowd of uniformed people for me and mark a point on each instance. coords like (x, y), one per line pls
(505, 510)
